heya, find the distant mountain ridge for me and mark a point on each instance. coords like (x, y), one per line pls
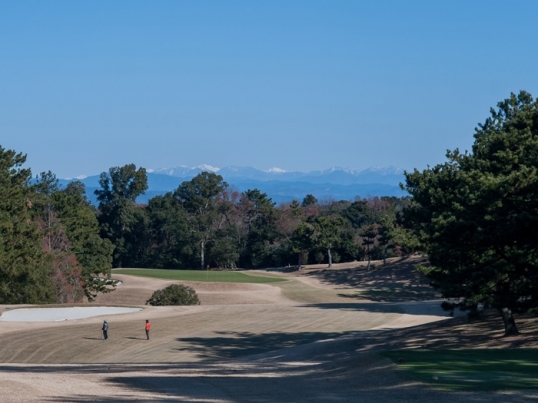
(282, 186)
(389, 175)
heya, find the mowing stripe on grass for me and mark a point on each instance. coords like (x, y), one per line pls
(464, 370)
(199, 275)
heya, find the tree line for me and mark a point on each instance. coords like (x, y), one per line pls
(55, 246)
(51, 248)
(205, 222)
(475, 216)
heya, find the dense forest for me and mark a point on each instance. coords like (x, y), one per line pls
(55, 246)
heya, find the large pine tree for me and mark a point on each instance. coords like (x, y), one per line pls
(25, 269)
(478, 214)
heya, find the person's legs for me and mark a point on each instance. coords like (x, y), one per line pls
(147, 334)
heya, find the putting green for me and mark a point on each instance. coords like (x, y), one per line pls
(199, 275)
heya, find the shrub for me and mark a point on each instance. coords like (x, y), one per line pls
(175, 294)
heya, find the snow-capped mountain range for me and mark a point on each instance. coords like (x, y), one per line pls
(336, 175)
(280, 185)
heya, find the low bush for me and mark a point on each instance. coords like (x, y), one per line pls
(175, 294)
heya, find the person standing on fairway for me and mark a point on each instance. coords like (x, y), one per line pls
(105, 330)
(148, 328)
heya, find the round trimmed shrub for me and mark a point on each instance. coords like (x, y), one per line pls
(175, 294)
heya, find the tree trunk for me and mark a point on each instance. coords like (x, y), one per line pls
(330, 257)
(300, 262)
(510, 327)
(202, 257)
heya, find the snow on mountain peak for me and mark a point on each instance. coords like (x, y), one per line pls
(80, 177)
(340, 169)
(385, 170)
(276, 170)
(206, 167)
(336, 174)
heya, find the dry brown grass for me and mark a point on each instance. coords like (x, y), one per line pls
(311, 339)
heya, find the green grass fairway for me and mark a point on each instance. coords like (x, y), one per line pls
(199, 275)
(465, 370)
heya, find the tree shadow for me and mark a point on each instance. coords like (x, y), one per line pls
(396, 281)
(233, 345)
(455, 333)
(364, 307)
(393, 293)
(316, 371)
(337, 378)
(255, 382)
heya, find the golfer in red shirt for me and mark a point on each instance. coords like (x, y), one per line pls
(148, 328)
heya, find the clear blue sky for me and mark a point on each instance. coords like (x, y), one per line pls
(300, 85)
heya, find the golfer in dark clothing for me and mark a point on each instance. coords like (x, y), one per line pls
(148, 328)
(105, 330)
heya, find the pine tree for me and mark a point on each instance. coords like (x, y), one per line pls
(477, 214)
(25, 270)
(118, 213)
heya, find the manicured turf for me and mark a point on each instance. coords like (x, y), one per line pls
(464, 370)
(199, 275)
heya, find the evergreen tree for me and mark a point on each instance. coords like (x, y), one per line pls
(170, 234)
(93, 253)
(200, 198)
(309, 200)
(477, 214)
(118, 213)
(25, 269)
(260, 219)
(302, 240)
(327, 233)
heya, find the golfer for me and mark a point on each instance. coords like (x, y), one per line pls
(148, 328)
(105, 330)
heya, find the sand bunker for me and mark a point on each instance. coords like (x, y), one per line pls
(61, 314)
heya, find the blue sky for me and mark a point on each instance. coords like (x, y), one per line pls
(300, 85)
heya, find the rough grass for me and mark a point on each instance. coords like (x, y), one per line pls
(199, 275)
(467, 370)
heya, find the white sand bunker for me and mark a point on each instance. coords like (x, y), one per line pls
(60, 314)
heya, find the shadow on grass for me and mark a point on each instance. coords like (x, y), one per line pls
(395, 281)
(432, 307)
(332, 381)
(456, 333)
(230, 345)
(467, 370)
(340, 375)
(364, 307)
(393, 294)
(251, 382)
